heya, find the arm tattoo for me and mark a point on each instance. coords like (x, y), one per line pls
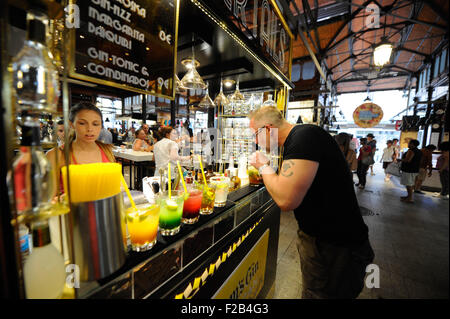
(286, 168)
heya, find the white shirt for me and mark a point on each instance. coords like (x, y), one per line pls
(164, 151)
(388, 152)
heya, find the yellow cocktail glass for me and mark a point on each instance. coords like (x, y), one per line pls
(142, 225)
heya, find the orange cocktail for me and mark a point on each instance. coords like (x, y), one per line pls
(143, 226)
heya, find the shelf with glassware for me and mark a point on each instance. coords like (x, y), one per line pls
(236, 136)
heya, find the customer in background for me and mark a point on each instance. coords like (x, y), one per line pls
(105, 136)
(354, 143)
(364, 158)
(442, 166)
(410, 169)
(343, 140)
(148, 135)
(333, 240)
(396, 149)
(373, 146)
(130, 135)
(60, 132)
(140, 143)
(388, 158)
(425, 164)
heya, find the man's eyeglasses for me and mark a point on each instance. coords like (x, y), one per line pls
(258, 130)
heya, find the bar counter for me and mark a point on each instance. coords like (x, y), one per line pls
(231, 253)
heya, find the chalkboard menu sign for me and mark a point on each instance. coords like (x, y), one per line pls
(129, 44)
(261, 23)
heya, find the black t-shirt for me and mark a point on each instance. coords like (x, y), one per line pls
(414, 165)
(329, 210)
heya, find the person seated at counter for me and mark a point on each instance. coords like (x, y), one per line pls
(85, 121)
(139, 143)
(166, 150)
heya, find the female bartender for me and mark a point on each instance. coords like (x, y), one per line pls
(86, 123)
(166, 150)
(139, 143)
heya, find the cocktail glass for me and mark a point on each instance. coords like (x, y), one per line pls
(192, 204)
(142, 226)
(222, 188)
(254, 178)
(170, 212)
(209, 195)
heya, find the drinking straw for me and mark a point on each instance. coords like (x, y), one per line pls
(182, 179)
(128, 192)
(169, 180)
(201, 167)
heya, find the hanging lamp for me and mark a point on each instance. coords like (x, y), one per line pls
(179, 88)
(221, 99)
(237, 96)
(206, 102)
(382, 52)
(193, 80)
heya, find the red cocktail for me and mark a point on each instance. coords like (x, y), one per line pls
(191, 208)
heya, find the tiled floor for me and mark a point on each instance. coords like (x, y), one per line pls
(411, 244)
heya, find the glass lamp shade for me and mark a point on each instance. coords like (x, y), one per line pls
(221, 99)
(178, 85)
(382, 54)
(206, 102)
(237, 96)
(193, 80)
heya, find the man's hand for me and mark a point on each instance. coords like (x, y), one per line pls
(258, 159)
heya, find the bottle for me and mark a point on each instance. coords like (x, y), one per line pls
(44, 271)
(231, 167)
(24, 241)
(34, 182)
(235, 181)
(199, 176)
(35, 77)
(269, 101)
(209, 173)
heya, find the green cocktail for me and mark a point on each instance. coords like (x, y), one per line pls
(170, 213)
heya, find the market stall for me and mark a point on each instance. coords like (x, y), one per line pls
(85, 214)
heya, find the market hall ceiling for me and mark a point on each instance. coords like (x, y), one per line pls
(342, 34)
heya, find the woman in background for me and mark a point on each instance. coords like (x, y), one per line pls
(364, 152)
(343, 140)
(442, 166)
(139, 143)
(410, 169)
(388, 158)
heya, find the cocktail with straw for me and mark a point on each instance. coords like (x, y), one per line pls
(209, 194)
(142, 223)
(171, 209)
(222, 187)
(192, 201)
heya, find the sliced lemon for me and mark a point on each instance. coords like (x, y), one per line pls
(171, 204)
(220, 186)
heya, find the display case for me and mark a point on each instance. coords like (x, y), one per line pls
(235, 135)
